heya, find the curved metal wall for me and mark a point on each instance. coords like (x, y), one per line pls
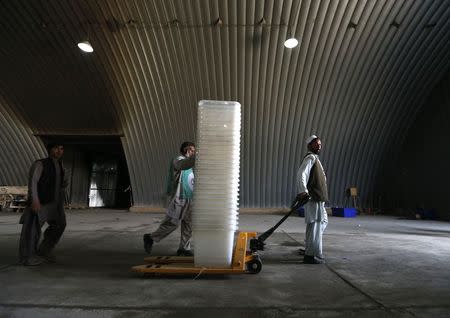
(19, 148)
(357, 79)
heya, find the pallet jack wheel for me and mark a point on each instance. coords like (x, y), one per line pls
(254, 266)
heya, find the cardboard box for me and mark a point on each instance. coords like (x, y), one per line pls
(353, 192)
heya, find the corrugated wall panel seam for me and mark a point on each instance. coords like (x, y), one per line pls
(318, 16)
(361, 79)
(382, 81)
(29, 146)
(334, 82)
(340, 82)
(146, 101)
(323, 109)
(439, 58)
(257, 113)
(444, 38)
(341, 94)
(9, 133)
(150, 88)
(426, 67)
(344, 97)
(226, 57)
(168, 41)
(18, 150)
(161, 71)
(134, 121)
(338, 37)
(292, 107)
(167, 36)
(318, 76)
(297, 93)
(129, 126)
(175, 68)
(261, 47)
(327, 15)
(396, 90)
(217, 45)
(312, 61)
(114, 85)
(273, 128)
(246, 130)
(189, 39)
(401, 60)
(376, 72)
(333, 27)
(265, 69)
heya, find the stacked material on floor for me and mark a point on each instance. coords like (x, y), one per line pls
(215, 211)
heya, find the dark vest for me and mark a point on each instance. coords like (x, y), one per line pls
(46, 184)
(317, 183)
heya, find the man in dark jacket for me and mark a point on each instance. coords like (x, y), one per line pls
(46, 186)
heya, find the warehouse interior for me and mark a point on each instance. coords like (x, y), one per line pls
(371, 78)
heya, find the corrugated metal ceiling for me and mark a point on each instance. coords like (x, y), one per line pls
(358, 78)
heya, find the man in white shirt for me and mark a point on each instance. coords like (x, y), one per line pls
(311, 180)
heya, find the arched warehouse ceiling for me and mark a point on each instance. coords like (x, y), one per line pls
(358, 77)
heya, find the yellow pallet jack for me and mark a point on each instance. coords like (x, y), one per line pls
(245, 255)
(243, 261)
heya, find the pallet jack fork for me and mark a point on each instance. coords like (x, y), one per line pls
(243, 261)
(245, 256)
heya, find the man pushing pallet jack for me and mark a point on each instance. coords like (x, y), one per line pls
(313, 193)
(245, 255)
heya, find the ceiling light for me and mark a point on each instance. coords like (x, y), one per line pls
(85, 46)
(291, 43)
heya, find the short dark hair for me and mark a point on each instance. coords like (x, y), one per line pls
(185, 145)
(53, 144)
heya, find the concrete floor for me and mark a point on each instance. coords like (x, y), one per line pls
(376, 267)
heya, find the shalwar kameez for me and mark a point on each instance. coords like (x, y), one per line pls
(180, 206)
(316, 218)
(51, 212)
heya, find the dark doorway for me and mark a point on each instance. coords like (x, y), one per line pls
(109, 185)
(97, 171)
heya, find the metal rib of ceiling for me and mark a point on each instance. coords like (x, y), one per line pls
(358, 78)
(18, 147)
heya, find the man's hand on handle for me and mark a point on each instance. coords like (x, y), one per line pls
(300, 199)
(301, 196)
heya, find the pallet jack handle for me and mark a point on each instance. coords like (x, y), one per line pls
(257, 244)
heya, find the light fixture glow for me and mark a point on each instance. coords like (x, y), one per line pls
(291, 43)
(85, 46)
